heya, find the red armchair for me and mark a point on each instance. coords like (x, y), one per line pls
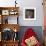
(30, 34)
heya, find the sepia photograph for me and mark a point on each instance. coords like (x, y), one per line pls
(29, 13)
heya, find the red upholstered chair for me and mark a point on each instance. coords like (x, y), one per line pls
(29, 33)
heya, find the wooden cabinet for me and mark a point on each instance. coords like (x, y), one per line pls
(5, 13)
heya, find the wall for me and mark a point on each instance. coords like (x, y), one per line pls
(39, 12)
(27, 3)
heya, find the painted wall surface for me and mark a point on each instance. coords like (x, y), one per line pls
(27, 3)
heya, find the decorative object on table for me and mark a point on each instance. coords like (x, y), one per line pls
(5, 12)
(13, 12)
(15, 29)
(29, 13)
(30, 38)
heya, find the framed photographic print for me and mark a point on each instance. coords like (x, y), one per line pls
(29, 13)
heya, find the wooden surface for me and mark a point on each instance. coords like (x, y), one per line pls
(9, 8)
(9, 43)
(10, 26)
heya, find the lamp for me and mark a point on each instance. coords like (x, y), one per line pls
(15, 3)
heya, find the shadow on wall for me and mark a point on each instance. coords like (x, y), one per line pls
(37, 29)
